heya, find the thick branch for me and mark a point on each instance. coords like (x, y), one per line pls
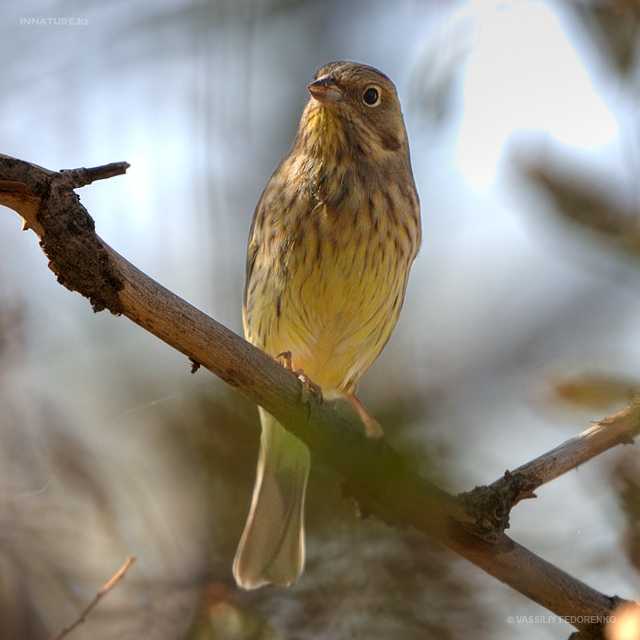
(376, 474)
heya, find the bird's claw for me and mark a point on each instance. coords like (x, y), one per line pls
(308, 386)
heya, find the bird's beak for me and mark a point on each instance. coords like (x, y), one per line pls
(325, 89)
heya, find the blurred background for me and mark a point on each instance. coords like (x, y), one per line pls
(520, 325)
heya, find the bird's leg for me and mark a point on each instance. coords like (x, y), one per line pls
(371, 425)
(285, 359)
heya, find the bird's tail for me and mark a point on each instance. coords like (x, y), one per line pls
(271, 550)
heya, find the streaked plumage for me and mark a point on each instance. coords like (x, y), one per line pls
(330, 249)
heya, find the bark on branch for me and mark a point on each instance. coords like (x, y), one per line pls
(376, 474)
(491, 505)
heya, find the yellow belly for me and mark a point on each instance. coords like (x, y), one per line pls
(332, 298)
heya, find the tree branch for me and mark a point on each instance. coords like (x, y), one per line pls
(491, 505)
(376, 474)
(609, 432)
(94, 603)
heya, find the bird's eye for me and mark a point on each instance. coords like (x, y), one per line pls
(371, 97)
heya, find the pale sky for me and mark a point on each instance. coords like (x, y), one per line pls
(522, 73)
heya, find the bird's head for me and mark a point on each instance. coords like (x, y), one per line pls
(353, 110)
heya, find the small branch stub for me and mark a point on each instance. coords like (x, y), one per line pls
(490, 506)
(82, 177)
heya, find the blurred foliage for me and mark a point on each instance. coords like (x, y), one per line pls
(39, 460)
(599, 205)
(596, 392)
(587, 201)
(626, 479)
(218, 618)
(585, 196)
(435, 77)
(614, 27)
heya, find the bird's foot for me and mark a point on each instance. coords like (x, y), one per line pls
(371, 425)
(308, 386)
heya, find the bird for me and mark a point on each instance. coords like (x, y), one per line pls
(330, 249)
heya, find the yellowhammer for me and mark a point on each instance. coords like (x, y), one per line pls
(331, 245)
